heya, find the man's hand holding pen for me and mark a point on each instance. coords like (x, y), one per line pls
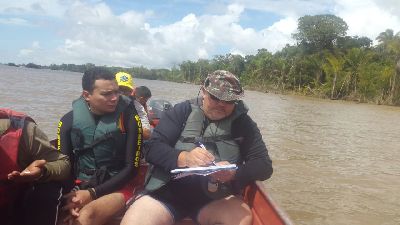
(197, 157)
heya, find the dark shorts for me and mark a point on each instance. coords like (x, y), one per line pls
(183, 197)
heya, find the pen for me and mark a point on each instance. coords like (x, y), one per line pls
(201, 145)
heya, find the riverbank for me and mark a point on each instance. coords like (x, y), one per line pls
(308, 92)
(366, 86)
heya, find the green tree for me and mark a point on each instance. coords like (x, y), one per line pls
(334, 69)
(188, 70)
(349, 42)
(236, 64)
(384, 38)
(33, 65)
(320, 31)
(306, 71)
(204, 68)
(389, 45)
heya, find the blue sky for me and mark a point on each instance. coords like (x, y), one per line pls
(159, 34)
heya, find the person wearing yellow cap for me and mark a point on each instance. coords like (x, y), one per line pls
(139, 98)
(125, 83)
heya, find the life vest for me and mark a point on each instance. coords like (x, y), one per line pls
(9, 147)
(98, 145)
(217, 138)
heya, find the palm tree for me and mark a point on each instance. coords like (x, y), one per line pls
(391, 46)
(386, 36)
(333, 67)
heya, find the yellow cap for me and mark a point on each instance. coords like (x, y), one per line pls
(124, 79)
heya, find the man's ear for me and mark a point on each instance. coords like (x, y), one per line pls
(86, 95)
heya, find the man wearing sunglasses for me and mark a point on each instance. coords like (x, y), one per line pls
(214, 128)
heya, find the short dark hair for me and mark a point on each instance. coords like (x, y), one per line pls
(143, 91)
(97, 73)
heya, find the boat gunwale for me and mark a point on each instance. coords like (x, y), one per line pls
(278, 210)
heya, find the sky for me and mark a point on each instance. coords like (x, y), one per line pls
(162, 33)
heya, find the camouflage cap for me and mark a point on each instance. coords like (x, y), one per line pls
(224, 85)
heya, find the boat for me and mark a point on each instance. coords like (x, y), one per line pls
(155, 109)
(264, 209)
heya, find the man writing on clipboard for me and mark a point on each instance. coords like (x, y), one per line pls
(219, 120)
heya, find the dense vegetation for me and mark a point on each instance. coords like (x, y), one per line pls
(325, 62)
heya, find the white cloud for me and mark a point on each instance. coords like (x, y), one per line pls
(35, 45)
(289, 8)
(390, 6)
(53, 8)
(368, 17)
(25, 52)
(92, 32)
(128, 40)
(69, 44)
(14, 21)
(95, 34)
(280, 33)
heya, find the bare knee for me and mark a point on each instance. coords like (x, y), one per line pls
(86, 214)
(147, 210)
(101, 210)
(241, 216)
(231, 210)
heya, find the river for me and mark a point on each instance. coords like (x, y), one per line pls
(335, 162)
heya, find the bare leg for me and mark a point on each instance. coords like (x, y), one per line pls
(147, 211)
(101, 210)
(230, 210)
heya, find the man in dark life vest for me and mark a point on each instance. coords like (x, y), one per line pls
(31, 171)
(103, 136)
(214, 127)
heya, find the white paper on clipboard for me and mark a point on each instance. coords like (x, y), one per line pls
(203, 171)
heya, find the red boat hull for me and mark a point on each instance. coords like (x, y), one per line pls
(265, 210)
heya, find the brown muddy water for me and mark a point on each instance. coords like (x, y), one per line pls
(334, 162)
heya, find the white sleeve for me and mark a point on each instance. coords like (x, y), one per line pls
(142, 114)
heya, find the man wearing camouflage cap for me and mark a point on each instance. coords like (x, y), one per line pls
(214, 128)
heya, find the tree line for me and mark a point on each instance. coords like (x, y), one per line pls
(325, 62)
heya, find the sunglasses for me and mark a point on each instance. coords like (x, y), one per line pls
(219, 100)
